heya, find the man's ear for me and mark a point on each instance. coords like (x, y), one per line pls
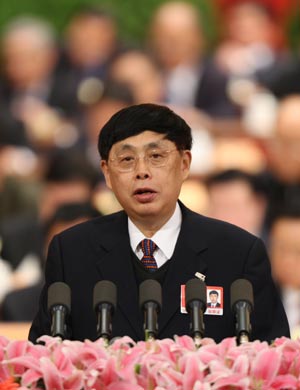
(105, 170)
(186, 163)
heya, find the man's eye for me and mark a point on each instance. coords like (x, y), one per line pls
(156, 156)
(126, 158)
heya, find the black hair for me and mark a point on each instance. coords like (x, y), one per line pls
(117, 90)
(213, 292)
(133, 120)
(288, 208)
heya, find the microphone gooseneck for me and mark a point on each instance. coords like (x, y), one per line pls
(150, 303)
(195, 302)
(104, 302)
(241, 294)
(59, 306)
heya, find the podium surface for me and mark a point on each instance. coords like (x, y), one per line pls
(15, 330)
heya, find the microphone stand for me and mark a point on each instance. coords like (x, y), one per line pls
(197, 321)
(243, 338)
(150, 321)
(104, 323)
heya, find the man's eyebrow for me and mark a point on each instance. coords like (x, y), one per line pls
(150, 145)
(126, 147)
(153, 145)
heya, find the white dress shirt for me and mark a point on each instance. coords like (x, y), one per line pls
(165, 238)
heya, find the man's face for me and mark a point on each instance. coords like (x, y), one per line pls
(148, 193)
(285, 251)
(213, 298)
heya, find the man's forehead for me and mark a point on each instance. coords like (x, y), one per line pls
(145, 140)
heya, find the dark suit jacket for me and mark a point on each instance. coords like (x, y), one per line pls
(209, 304)
(100, 249)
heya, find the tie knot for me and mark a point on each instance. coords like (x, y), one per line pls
(148, 247)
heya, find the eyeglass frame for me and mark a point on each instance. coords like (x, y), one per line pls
(146, 159)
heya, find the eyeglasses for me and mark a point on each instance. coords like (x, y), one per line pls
(127, 162)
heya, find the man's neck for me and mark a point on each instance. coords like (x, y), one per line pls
(149, 226)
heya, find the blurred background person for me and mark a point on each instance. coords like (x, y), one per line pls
(285, 259)
(139, 71)
(90, 42)
(283, 153)
(177, 41)
(240, 198)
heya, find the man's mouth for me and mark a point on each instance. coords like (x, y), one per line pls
(144, 195)
(142, 191)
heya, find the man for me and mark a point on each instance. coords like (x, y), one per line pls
(240, 198)
(285, 259)
(213, 299)
(145, 157)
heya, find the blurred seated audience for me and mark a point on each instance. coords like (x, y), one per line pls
(240, 198)
(36, 104)
(20, 304)
(69, 177)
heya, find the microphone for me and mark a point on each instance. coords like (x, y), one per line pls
(150, 302)
(105, 300)
(59, 306)
(241, 294)
(195, 303)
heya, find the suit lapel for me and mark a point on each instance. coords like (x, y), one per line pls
(114, 264)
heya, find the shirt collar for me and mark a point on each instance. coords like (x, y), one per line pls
(165, 238)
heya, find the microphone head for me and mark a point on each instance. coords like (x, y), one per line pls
(59, 293)
(195, 290)
(150, 291)
(241, 290)
(105, 291)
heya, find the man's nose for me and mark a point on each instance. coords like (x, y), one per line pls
(142, 168)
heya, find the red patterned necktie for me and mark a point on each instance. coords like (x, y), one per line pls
(148, 247)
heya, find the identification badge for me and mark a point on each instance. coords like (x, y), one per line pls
(214, 300)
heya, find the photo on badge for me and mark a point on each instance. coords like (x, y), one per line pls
(214, 300)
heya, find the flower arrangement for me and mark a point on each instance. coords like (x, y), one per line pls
(153, 365)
